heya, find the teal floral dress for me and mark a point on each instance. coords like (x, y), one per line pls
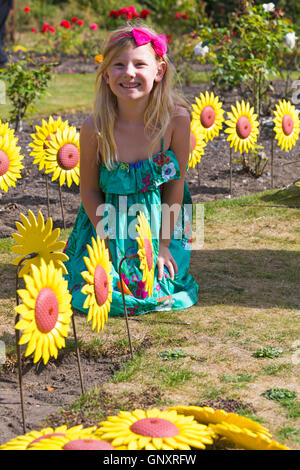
(129, 188)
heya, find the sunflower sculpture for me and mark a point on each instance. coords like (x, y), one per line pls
(242, 127)
(98, 287)
(35, 438)
(145, 252)
(208, 115)
(41, 138)
(154, 430)
(287, 125)
(63, 155)
(243, 433)
(5, 129)
(37, 237)
(10, 159)
(197, 145)
(45, 312)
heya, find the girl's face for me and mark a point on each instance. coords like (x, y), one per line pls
(131, 74)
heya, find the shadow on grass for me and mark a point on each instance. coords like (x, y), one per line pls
(289, 196)
(254, 278)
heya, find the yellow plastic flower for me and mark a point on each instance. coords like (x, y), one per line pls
(98, 287)
(154, 430)
(197, 145)
(287, 125)
(242, 127)
(76, 440)
(10, 160)
(145, 252)
(208, 415)
(42, 137)
(243, 438)
(32, 438)
(5, 129)
(208, 114)
(63, 155)
(37, 237)
(45, 312)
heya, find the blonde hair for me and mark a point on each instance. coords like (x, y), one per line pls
(162, 100)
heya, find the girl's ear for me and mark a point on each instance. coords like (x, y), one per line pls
(162, 66)
(105, 76)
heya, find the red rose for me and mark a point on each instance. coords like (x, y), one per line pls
(52, 30)
(94, 26)
(33, 30)
(124, 11)
(26, 9)
(65, 24)
(45, 28)
(74, 19)
(177, 15)
(129, 16)
(144, 13)
(80, 22)
(169, 36)
(113, 14)
(184, 16)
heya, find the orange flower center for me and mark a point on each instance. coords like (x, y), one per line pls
(207, 116)
(154, 427)
(287, 124)
(46, 310)
(149, 253)
(87, 444)
(243, 127)
(4, 163)
(68, 156)
(100, 285)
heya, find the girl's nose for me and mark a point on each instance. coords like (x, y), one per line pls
(129, 70)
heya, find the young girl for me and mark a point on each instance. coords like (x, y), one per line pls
(134, 154)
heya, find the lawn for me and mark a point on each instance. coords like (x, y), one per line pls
(237, 345)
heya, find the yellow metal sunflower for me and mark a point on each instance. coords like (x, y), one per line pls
(154, 430)
(5, 129)
(208, 114)
(63, 155)
(37, 237)
(287, 125)
(145, 252)
(45, 312)
(29, 440)
(242, 127)
(208, 415)
(41, 138)
(243, 438)
(98, 287)
(73, 441)
(10, 161)
(197, 145)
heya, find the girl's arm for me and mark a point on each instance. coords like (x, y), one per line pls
(172, 195)
(90, 192)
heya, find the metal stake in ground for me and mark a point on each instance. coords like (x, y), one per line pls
(230, 178)
(61, 206)
(47, 192)
(76, 344)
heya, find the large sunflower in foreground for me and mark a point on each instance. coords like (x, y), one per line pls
(32, 438)
(45, 312)
(197, 145)
(287, 125)
(42, 137)
(63, 155)
(10, 161)
(37, 237)
(154, 430)
(242, 127)
(98, 287)
(77, 440)
(145, 252)
(208, 114)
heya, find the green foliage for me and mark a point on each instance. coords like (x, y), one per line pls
(172, 354)
(268, 351)
(254, 162)
(26, 81)
(282, 395)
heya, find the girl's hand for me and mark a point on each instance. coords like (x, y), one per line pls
(166, 259)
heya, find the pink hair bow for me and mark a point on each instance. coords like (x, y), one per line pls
(142, 37)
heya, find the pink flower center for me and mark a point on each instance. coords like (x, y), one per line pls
(45, 436)
(4, 163)
(243, 127)
(287, 124)
(149, 253)
(68, 156)
(193, 141)
(154, 427)
(46, 310)
(208, 116)
(88, 444)
(100, 285)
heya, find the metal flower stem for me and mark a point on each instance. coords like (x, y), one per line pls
(272, 160)
(76, 344)
(123, 297)
(17, 336)
(47, 192)
(230, 180)
(61, 206)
